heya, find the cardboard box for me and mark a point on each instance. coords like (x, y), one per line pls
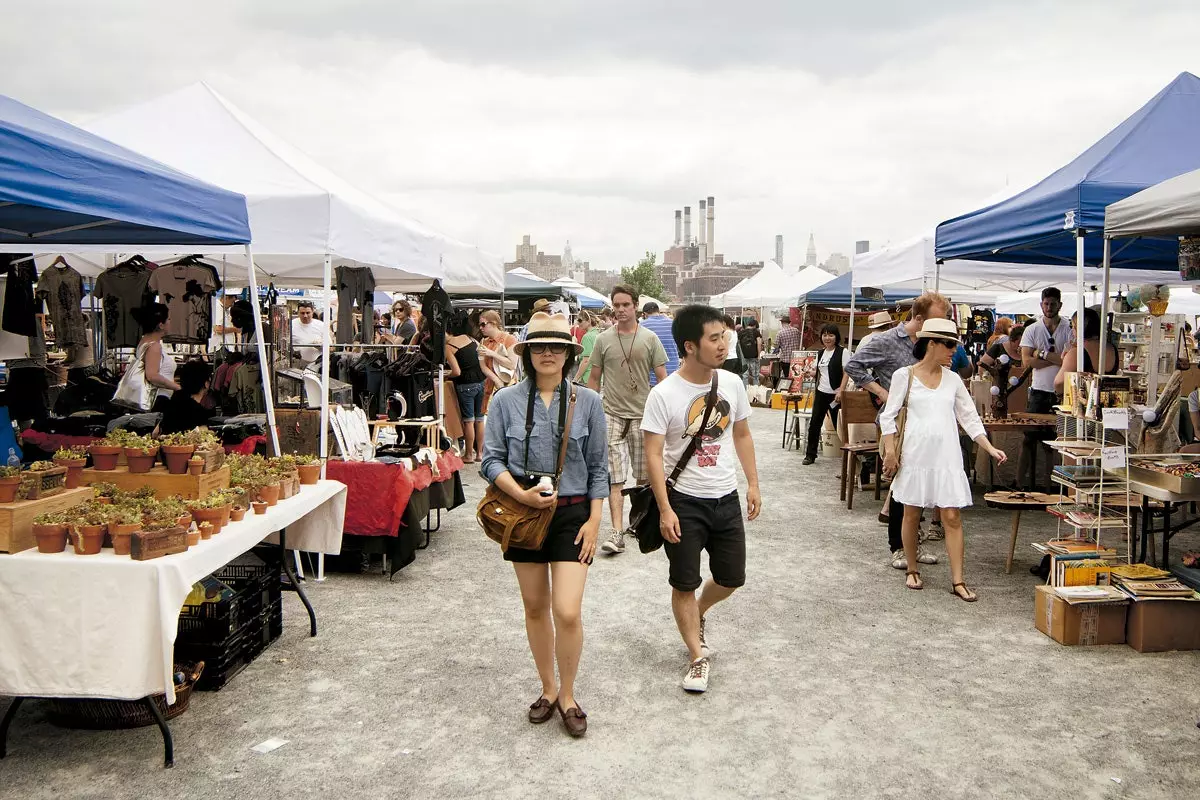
(1159, 625)
(1082, 624)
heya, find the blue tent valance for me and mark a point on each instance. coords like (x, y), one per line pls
(1039, 225)
(836, 294)
(60, 185)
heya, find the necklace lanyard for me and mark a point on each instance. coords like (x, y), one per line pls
(629, 356)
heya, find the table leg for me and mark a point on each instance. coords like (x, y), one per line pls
(1166, 534)
(1012, 542)
(295, 583)
(786, 409)
(851, 480)
(845, 468)
(1141, 558)
(320, 567)
(9, 713)
(168, 742)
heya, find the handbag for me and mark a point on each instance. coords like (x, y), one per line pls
(643, 508)
(902, 421)
(133, 391)
(505, 519)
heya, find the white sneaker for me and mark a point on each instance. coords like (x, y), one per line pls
(703, 644)
(696, 678)
(614, 544)
(936, 532)
(925, 557)
(898, 559)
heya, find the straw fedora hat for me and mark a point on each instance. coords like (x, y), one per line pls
(880, 319)
(546, 328)
(944, 329)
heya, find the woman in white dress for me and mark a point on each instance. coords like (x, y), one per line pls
(930, 465)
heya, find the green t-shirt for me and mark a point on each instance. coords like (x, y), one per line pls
(589, 343)
(626, 362)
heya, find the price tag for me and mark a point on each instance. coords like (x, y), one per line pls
(1116, 419)
(1113, 458)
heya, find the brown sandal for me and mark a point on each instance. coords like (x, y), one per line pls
(920, 583)
(970, 597)
(574, 720)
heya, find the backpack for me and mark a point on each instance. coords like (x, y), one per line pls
(748, 339)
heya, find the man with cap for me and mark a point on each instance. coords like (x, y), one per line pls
(657, 323)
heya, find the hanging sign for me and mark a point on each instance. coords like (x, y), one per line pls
(1116, 419)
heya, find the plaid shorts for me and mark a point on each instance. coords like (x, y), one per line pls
(626, 452)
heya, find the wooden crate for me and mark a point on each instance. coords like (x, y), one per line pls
(43, 484)
(16, 519)
(189, 487)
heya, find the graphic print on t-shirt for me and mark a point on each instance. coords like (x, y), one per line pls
(718, 423)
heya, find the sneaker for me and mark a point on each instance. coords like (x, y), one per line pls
(614, 544)
(925, 557)
(936, 532)
(807, 461)
(703, 643)
(898, 560)
(696, 678)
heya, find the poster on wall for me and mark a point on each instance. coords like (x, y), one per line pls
(803, 366)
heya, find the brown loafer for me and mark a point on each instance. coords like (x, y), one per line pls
(574, 720)
(541, 711)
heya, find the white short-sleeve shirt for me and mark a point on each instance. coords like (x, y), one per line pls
(1038, 337)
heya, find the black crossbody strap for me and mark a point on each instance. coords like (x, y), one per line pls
(709, 404)
(566, 415)
(564, 419)
(528, 427)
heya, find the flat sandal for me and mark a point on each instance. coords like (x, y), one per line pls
(920, 583)
(971, 599)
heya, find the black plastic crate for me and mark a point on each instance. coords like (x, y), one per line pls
(244, 570)
(214, 621)
(265, 630)
(221, 661)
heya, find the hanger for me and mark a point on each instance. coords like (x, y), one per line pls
(59, 262)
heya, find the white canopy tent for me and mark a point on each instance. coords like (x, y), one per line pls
(771, 287)
(1165, 210)
(579, 290)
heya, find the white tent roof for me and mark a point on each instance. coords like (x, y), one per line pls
(1170, 208)
(578, 289)
(771, 287)
(299, 211)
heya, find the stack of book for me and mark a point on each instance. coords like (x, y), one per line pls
(1074, 547)
(1144, 582)
(1080, 476)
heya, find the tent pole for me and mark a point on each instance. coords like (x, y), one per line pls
(264, 364)
(850, 335)
(937, 276)
(1079, 351)
(326, 286)
(1104, 307)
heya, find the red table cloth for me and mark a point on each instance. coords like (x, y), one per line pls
(377, 495)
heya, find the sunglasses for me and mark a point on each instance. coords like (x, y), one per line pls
(556, 349)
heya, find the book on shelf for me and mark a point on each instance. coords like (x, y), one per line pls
(1068, 571)
(1076, 548)
(1149, 589)
(1079, 475)
(1088, 518)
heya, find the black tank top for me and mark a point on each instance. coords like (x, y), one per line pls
(468, 364)
(1090, 367)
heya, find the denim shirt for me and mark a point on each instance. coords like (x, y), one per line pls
(585, 470)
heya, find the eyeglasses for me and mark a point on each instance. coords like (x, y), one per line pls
(556, 349)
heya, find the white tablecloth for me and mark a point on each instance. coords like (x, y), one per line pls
(104, 625)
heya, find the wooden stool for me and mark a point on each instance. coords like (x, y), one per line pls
(850, 455)
(1016, 502)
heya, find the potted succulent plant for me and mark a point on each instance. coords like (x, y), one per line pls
(310, 471)
(207, 509)
(105, 493)
(259, 506)
(176, 449)
(74, 459)
(50, 530)
(235, 497)
(195, 466)
(10, 481)
(89, 529)
(106, 452)
(123, 522)
(140, 453)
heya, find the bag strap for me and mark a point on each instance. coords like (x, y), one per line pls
(709, 404)
(904, 407)
(528, 426)
(566, 433)
(565, 417)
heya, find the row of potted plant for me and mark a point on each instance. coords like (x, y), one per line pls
(11, 488)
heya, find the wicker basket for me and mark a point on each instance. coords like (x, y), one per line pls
(100, 715)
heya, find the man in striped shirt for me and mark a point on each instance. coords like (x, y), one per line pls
(660, 324)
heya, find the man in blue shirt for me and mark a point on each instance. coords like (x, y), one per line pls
(658, 322)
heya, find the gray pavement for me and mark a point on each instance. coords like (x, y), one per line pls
(830, 679)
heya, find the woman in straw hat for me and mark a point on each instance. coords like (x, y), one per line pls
(552, 578)
(929, 459)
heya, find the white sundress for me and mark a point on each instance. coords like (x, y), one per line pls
(931, 463)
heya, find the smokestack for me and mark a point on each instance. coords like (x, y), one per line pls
(687, 226)
(700, 237)
(712, 252)
(678, 225)
(779, 249)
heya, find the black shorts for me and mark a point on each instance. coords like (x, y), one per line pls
(714, 525)
(560, 539)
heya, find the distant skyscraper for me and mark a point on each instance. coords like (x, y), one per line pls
(810, 258)
(862, 246)
(779, 249)
(837, 263)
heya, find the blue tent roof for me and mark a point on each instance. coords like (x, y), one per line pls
(1038, 225)
(62, 185)
(836, 293)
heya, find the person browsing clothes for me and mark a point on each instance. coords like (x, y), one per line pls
(551, 579)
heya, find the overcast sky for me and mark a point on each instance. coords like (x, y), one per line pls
(593, 121)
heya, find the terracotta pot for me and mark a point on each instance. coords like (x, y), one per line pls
(193, 538)
(140, 461)
(309, 474)
(195, 468)
(50, 538)
(122, 536)
(212, 516)
(104, 501)
(74, 470)
(260, 507)
(105, 456)
(177, 456)
(87, 539)
(8, 489)
(206, 530)
(185, 520)
(224, 512)
(270, 494)
(237, 513)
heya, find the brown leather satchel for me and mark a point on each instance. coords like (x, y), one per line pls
(507, 520)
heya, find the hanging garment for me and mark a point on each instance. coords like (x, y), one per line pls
(187, 291)
(20, 307)
(62, 288)
(122, 289)
(435, 312)
(355, 285)
(245, 390)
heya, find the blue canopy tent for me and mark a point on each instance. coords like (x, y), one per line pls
(838, 293)
(1061, 220)
(62, 187)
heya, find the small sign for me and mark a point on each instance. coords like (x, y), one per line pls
(1116, 419)
(871, 293)
(1113, 458)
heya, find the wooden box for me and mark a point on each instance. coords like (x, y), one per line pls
(189, 487)
(145, 546)
(300, 430)
(43, 484)
(16, 519)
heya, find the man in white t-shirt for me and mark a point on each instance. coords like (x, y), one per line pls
(1042, 347)
(307, 333)
(701, 510)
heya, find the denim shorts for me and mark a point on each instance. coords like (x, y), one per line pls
(470, 400)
